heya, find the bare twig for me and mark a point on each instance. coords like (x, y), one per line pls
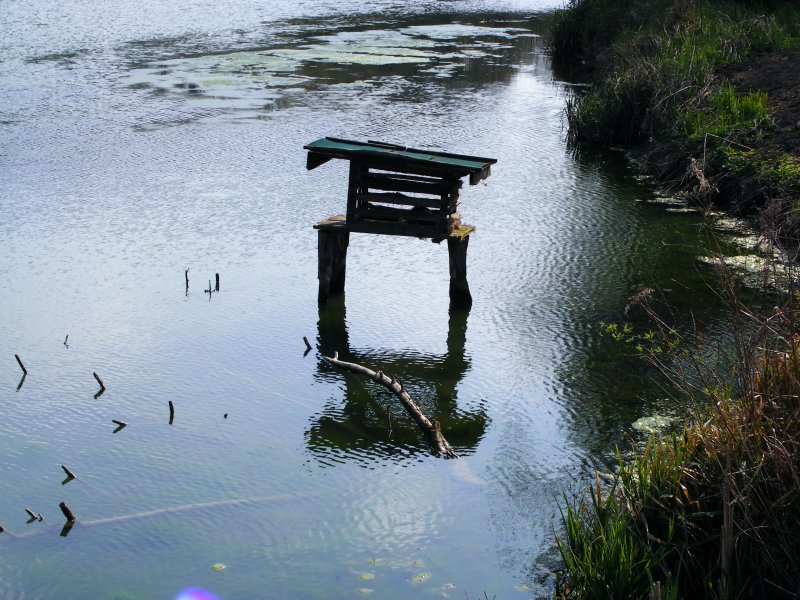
(67, 512)
(100, 381)
(19, 360)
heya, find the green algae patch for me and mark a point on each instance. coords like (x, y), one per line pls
(420, 578)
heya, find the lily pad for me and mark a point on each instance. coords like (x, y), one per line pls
(374, 561)
(217, 567)
(366, 576)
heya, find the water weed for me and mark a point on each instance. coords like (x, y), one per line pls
(711, 510)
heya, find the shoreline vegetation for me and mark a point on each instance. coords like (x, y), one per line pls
(705, 96)
(704, 93)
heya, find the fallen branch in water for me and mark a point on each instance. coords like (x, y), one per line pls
(21, 366)
(439, 446)
(100, 381)
(67, 512)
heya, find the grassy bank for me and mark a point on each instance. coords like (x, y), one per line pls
(712, 511)
(663, 76)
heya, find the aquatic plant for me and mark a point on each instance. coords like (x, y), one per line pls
(712, 510)
(658, 76)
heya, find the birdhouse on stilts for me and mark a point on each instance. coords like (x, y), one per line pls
(394, 190)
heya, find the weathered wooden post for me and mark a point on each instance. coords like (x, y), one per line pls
(394, 190)
(332, 261)
(459, 287)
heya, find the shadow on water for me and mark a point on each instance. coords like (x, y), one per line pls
(369, 423)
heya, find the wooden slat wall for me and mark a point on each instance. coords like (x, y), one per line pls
(433, 207)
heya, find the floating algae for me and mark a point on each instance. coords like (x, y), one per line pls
(366, 576)
(217, 567)
(653, 423)
(523, 587)
(458, 30)
(421, 578)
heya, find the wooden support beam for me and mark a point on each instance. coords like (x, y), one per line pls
(332, 262)
(398, 198)
(419, 185)
(459, 287)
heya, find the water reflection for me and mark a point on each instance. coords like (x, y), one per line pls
(369, 423)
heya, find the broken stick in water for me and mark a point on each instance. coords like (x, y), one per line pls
(100, 381)
(67, 512)
(69, 473)
(439, 446)
(216, 286)
(19, 360)
(120, 425)
(171, 412)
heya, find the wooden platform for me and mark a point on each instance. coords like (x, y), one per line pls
(400, 191)
(339, 223)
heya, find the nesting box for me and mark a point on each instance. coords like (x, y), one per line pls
(396, 190)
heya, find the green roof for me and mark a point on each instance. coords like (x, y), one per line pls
(391, 156)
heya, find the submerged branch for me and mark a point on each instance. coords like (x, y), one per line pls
(433, 433)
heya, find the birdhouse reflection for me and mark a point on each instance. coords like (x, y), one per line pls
(369, 423)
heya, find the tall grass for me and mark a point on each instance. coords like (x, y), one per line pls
(712, 511)
(656, 66)
(729, 114)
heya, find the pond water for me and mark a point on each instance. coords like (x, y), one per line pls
(138, 140)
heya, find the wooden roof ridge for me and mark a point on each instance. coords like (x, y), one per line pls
(400, 158)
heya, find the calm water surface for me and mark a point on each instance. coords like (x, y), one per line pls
(141, 139)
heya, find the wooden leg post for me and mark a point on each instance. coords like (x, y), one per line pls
(459, 287)
(332, 254)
